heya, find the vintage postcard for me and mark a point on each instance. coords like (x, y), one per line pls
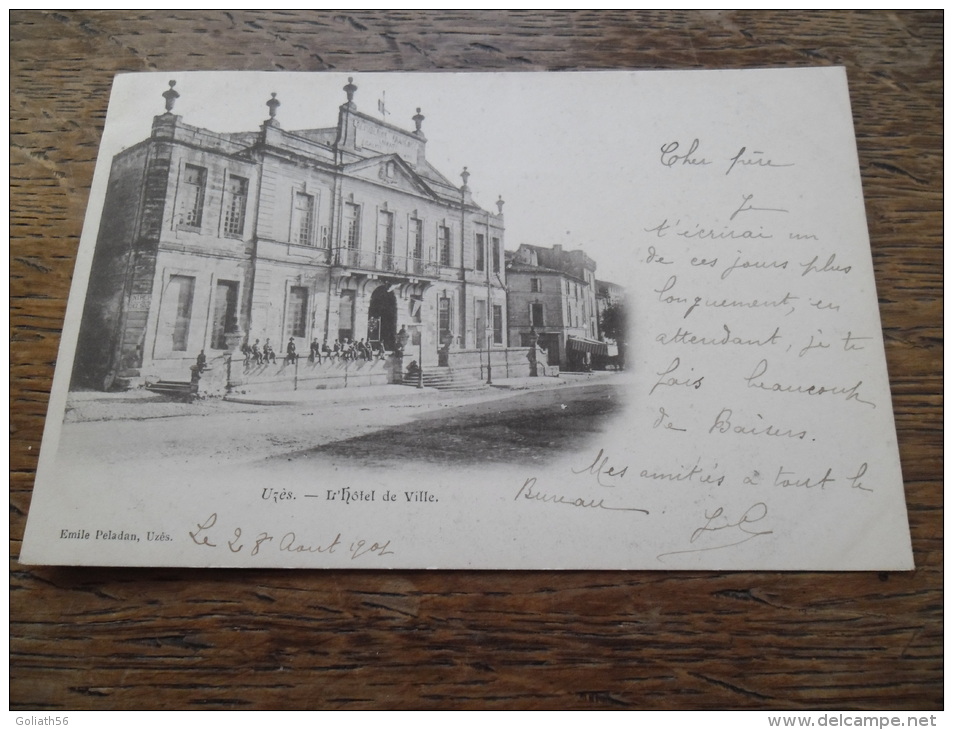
(613, 320)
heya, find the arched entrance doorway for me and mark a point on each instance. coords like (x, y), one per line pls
(382, 317)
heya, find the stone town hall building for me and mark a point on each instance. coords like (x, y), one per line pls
(329, 233)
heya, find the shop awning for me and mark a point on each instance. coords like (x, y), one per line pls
(593, 347)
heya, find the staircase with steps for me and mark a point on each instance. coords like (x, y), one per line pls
(174, 388)
(443, 378)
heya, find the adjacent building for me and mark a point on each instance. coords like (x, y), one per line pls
(552, 298)
(210, 240)
(608, 293)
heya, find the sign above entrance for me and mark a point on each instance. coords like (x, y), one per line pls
(371, 135)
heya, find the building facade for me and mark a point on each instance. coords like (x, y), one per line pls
(607, 294)
(552, 297)
(210, 240)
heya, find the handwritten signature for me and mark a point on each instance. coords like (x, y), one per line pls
(728, 530)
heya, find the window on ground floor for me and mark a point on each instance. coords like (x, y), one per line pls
(179, 295)
(346, 315)
(225, 316)
(479, 310)
(497, 324)
(296, 316)
(444, 327)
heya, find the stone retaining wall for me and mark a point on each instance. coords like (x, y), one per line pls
(509, 362)
(234, 376)
(330, 373)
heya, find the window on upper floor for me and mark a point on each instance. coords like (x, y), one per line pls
(193, 196)
(536, 314)
(417, 237)
(496, 255)
(352, 225)
(385, 232)
(535, 285)
(302, 220)
(444, 242)
(236, 201)
(480, 252)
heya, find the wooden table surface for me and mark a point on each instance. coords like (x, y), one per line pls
(84, 638)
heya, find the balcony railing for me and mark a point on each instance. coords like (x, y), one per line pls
(373, 261)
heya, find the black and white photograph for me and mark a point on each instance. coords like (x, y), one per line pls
(571, 320)
(270, 265)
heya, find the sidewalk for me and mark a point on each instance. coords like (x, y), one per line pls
(143, 404)
(499, 388)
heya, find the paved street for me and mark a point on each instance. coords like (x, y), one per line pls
(524, 427)
(378, 426)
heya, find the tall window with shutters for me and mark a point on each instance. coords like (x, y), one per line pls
(444, 326)
(296, 316)
(480, 252)
(498, 324)
(385, 232)
(192, 204)
(236, 201)
(302, 224)
(536, 314)
(444, 243)
(178, 303)
(352, 225)
(417, 237)
(225, 316)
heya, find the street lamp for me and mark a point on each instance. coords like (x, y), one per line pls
(420, 355)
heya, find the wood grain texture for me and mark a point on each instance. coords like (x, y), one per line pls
(132, 639)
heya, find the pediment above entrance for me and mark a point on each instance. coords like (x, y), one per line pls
(390, 170)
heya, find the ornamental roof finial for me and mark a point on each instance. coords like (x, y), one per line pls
(170, 95)
(349, 90)
(273, 105)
